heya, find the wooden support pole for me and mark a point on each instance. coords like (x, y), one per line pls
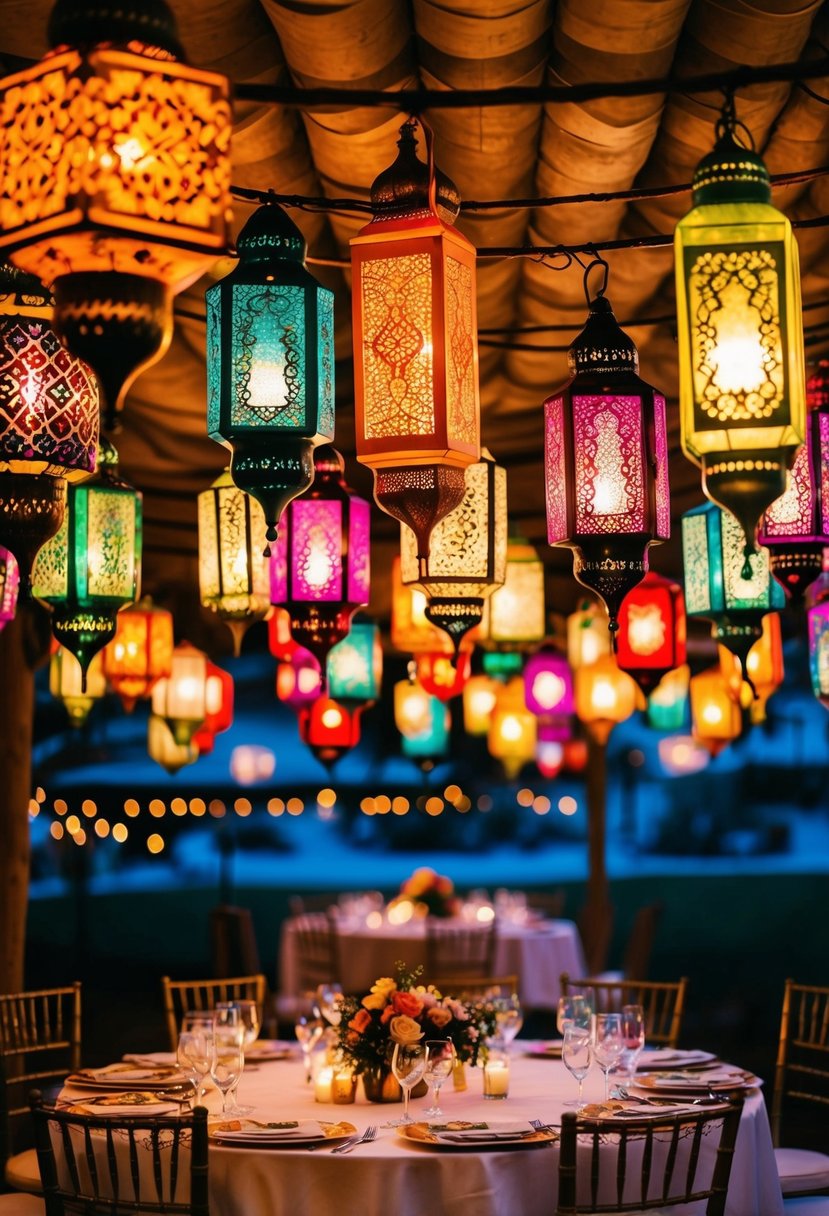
(596, 919)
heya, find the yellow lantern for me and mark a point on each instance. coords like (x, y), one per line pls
(181, 697)
(412, 708)
(513, 730)
(605, 696)
(479, 696)
(742, 389)
(234, 576)
(587, 635)
(764, 669)
(66, 682)
(715, 714)
(163, 748)
(411, 631)
(515, 613)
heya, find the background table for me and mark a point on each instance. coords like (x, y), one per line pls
(537, 954)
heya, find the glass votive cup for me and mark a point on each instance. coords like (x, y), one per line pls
(343, 1086)
(323, 1076)
(496, 1075)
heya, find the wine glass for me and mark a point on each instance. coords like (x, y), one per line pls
(633, 1033)
(509, 1017)
(308, 1028)
(439, 1064)
(195, 1053)
(330, 997)
(408, 1064)
(229, 1023)
(250, 1021)
(573, 1010)
(576, 1055)
(608, 1044)
(227, 1061)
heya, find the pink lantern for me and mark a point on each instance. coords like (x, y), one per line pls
(9, 584)
(298, 679)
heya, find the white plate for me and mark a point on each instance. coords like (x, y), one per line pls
(137, 1078)
(694, 1082)
(475, 1134)
(127, 1104)
(669, 1057)
(305, 1131)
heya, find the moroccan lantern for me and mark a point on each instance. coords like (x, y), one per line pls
(548, 684)
(114, 180)
(298, 679)
(606, 460)
(415, 344)
(233, 573)
(320, 565)
(48, 418)
(468, 553)
(165, 750)
(513, 730)
(549, 757)
(723, 584)
(442, 676)
(651, 638)
(270, 363)
(280, 642)
(355, 665)
(411, 631)
(413, 706)
(67, 683)
(181, 697)
(502, 664)
(479, 696)
(741, 379)
(430, 742)
(515, 612)
(605, 696)
(9, 586)
(818, 618)
(795, 528)
(587, 636)
(141, 651)
(668, 703)
(92, 566)
(218, 705)
(329, 729)
(716, 719)
(764, 669)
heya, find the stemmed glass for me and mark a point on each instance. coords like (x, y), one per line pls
(194, 1054)
(509, 1017)
(308, 1028)
(576, 1055)
(330, 997)
(573, 1010)
(633, 1033)
(227, 1060)
(250, 1021)
(440, 1061)
(408, 1064)
(230, 1025)
(608, 1044)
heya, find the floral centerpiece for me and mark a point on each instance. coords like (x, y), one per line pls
(402, 1010)
(431, 893)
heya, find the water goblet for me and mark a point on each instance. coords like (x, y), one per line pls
(250, 1021)
(408, 1064)
(573, 1010)
(576, 1055)
(439, 1064)
(509, 1017)
(633, 1033)
(308, 1028)
(194, 1054)
(227, 1063)
(330, 1002)
(608, 1044)
(229, 1022)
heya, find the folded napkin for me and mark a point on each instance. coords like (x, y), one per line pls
(670, 1057)
(126, 1073)
(458, 1131)
(151, 1059)
(709, 1078)
(253, 1129)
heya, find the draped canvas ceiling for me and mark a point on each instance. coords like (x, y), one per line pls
(498, 153)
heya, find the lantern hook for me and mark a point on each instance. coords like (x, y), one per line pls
(729, 125)
(597, 261)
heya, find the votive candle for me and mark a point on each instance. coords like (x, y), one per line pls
(323, 1083)
(496, 1078)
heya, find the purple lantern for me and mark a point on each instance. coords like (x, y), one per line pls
(548, 691)
(298, 680)
(795, 528)
(320, 569)
(9, 583)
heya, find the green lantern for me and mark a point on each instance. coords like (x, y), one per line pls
(270, 363)
(92, 566)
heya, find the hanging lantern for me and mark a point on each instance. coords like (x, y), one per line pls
(549, 757)
(413, 706)
(233, 574)
(141, 651)
(329, 729)
(411, 631)
(48, 418)
(795, 528)
(442, 676)
(715, 715)
(651, 638)
(9, 585)
(355, 665)
(270, 363)
(468, 552)
(92, 566)
(548, 684)
(66, 682)
(716, 586)
(515, 612)
(764, 669)
(430, 742)
(479, 695)
(501, 664)
(575, 755)
(587, 636)
(298, 679)
(163, 748)
(115, 180)
(818, 617)
(513, 730)
(280, 642)
(218, 705)
(320, 567)
(251, 764)
(606, 460)
(668, 703)
(741, 381)
(605, 696)
(415, 344)
(181, 698)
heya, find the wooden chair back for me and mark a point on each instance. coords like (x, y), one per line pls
(663, 1003)
(40, 1042)
(802, 1069)
(461, 987)
(459, 951)
(233, 947)
(184, 996)
(317, 950)
(656, 1164)
(639, 946)
(101, 1164)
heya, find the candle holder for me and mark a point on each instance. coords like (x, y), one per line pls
(343, 1086)
(496, 1076)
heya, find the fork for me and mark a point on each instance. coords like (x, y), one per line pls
(368, 1135)
(539, 1125)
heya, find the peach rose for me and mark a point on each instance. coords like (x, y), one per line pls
(439, 1017)
(361, 1021)
(404, 1029)
(408, 1003)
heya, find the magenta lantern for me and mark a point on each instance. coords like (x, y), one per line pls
(795, 528)
(606, 459)
(9, 584)
(298, 679)
(320, 567)
(548, 692)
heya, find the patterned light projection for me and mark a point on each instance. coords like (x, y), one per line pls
(234, 578)
(741, 378)
(605, 696)
(355, 665)
(320, 565)
(513, 730)
(67, 683)
(415, 345)
(548, 692)
(9, 586)
(92, 567)
(270, 363)
(515, 613)
(606, 461)
(716, 719)
(114, 180)
(818, 617)
(181, 698)
(140, 653)
(651, 638)
(468, 554)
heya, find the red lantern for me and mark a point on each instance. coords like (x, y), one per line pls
(329, 729)
(651, 638)
(280, 642)
(218, 706)
(442, 677)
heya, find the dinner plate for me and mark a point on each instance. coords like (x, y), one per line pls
(670, 1057)
(264, 1050)
(696, 1082)
(460, 1134)
(549, 1049)
(126, 1076)
(278, 1133)
(619, 1111)
(135, 1102)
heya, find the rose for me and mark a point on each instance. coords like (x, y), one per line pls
(374, 1000)
(444, 885)
(457, 1009)
(361, 1021)
(404, 1029)
(426, 997)
(384, 986)
(408, 1003)
(439, 1017)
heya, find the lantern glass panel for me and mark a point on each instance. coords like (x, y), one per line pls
(555, 470)
(609, 473)
(479, 696)
(696, 563)
(182, 693)
(515, 612)
(755, 592)
(819, 650)
(792, 513)
(355, 665)
(233, 575)
(9, 585)
(359, 551)
(316, 531)
(587, 637)
(141, 651)
(432, 739)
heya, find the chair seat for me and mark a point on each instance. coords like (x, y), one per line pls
(802, 1169)
(20, 1204)
(804, 1205)
(22, 1172)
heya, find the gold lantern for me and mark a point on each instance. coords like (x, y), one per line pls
(67, 683)
(513, 730)
(605, 696)
(515, 613)
(764, 669)
(412, 706)
(141, 651)
(234, 576)
(587, 635)
(163, 748)
(181, 698)
(411, 631)
(716, 719)
(479, 696)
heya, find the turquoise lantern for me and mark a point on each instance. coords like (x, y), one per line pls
(270, 363)
(432, 742)
(724, 584)
(355, 665)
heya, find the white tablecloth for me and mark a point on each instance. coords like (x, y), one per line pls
(393, 1176)
(536, 954)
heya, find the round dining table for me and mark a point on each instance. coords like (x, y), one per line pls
(537, 952)
(392, 1174)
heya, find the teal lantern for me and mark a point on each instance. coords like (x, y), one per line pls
(92, 566)
(669, 704)
(723, 583)
(270, 363)
(501, 664)
(431, 743)
(355, 665)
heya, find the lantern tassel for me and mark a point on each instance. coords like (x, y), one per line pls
(748, 553)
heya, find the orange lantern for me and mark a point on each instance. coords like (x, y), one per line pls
(329, 729)
(442, 677)
(141, 651)
(411, 631)
(280, 640)
(479, 696)
(412, 707)
(715, 715)
(513, 730)
(587, 635)
(605, 696)
(218, 708)
(764, 669)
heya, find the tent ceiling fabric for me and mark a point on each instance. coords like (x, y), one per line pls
(496, 153)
